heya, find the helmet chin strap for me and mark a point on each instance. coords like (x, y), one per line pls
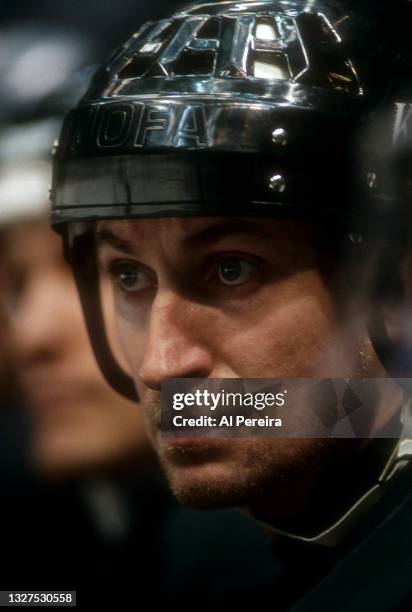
(334, 534)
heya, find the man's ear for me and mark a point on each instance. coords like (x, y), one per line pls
(397, 308)
(396, 305)
(398, 319)
(390, 317)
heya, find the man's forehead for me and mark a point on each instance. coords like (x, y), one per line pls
(184, 228)
(140, 228)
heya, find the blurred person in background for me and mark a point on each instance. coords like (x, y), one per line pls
(90, 480)
(79, 424)
(93, 498)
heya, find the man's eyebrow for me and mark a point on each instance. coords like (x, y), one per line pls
(212, 233)
(235, 226)
(105, 236)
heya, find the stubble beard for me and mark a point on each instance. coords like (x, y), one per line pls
(241, 472)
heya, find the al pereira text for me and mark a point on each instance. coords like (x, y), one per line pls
(226, 421)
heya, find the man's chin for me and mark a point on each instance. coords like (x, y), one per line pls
(205, 496)
(206, 486)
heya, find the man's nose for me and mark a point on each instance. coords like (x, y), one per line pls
(177, 343)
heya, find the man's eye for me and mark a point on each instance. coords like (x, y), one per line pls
(130, 278)
(234, 271)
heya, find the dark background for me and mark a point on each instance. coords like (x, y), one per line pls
(107, 22)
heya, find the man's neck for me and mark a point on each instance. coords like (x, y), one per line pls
(341, 496)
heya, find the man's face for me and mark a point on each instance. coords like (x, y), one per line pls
(227, 298)
(79, 423)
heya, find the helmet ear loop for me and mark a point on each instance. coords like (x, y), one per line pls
(86, 275)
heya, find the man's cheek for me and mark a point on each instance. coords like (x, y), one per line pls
(149, 411)
(141, 388)
(149, 427)
(132, 348)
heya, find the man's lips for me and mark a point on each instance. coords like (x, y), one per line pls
(188, 442)
(188, 445)
(188, 452)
